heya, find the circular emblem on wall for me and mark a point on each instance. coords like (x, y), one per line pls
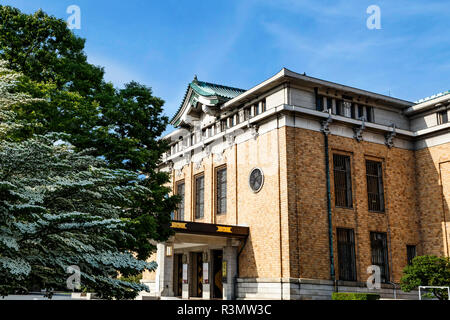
(256, 180)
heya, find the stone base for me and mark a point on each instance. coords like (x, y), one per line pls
(309, 289)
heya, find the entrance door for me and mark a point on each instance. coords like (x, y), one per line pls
(197, 275)
(217, 274)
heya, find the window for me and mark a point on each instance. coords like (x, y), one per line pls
(221, 194)
(180, 193)
(319, 105)
(411, 253)
(256, 106)
(378, 243)
(342, 181)
(199, 196)
(375, 193)
(346, 254)
(329, 104)
(370, 116)
(347, 109)
(360, 112)
(339, 108)
(263, 105)
(353, 111)
(442, 117)
(223, 125)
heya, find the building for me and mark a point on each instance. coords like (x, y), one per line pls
(292, 189)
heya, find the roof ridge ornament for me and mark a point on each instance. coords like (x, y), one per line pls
(195, 79)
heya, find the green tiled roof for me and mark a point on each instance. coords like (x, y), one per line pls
(208, 89)
(433, 97)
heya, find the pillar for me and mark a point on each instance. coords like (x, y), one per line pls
(230, 257)
(207, 283)
(186, 269)
(164, 273)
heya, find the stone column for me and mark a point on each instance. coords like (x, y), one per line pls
(207, 286)
(185, 287)
(230, 257)
(164, 273)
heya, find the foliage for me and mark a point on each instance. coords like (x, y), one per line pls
(132, 279)
(354, 296)
(60, 207)
(123, 126)
(427, 271)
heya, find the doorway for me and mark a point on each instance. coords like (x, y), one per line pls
(197, 274)
(178, 281)
(217, 258)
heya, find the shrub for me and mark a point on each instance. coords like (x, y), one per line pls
(354, 296)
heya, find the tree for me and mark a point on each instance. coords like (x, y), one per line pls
(61, 208)
(122, 125)
(427, 271)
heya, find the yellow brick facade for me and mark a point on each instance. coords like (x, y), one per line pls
(288, 217)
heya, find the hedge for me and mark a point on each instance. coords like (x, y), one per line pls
(354, 296)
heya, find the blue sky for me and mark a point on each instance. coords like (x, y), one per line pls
(243, 42)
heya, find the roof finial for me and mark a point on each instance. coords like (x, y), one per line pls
(195, 79)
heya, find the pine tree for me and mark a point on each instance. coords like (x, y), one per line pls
(60, 208)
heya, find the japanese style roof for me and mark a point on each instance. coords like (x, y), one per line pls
(209, 90)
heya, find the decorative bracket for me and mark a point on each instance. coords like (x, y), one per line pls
(325, 128)
(198, 165)
(230, 139)
(171, 165)
(359, 130)
(390, 136)
(254, 131)
(207, 149)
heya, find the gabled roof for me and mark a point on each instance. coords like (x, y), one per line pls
(207, 89)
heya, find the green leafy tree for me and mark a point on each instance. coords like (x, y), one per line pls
(427, 271)
(61, 208)
(123, 126)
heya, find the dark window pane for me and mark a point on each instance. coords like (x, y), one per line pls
(369, 111)
(221, 191)
(342, 181)
(180, 192)
(199, 197)
(378, 242)
(375, 193)
(263, 105)
(360, 112)
(329, 103)
(346, 254)
(442, 117)
(410, 253)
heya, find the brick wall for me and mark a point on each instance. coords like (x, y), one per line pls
(433, 192)
(400, 219)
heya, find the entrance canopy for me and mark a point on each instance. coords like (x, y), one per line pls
(195, 234)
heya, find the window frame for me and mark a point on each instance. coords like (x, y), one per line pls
(385, 269)
(218, 193)
(342, 245)
(183, 201)
(348, 181)
(198, 203)
(380, 186)
(408, 256)
(442, 117)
